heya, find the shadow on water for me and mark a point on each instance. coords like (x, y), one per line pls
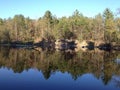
(101, 64)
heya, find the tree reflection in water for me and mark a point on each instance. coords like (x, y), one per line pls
(116, 80)
(100, 63)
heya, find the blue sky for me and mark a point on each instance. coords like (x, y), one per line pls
(36, 8)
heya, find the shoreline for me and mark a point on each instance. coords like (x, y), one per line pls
(64, 45)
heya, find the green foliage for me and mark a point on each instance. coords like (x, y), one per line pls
(1, 21)
(108, 24)
(100, 28)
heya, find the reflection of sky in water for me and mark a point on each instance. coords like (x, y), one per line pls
(116, 80)
(117, 60)
(34, 80)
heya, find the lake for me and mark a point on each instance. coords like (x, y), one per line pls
(41, 69)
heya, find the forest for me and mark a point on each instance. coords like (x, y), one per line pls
(102, 27)
(103, 65)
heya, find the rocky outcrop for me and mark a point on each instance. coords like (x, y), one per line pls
(65, 44)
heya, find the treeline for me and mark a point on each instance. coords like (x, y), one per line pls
(103, 65)
(103, 27)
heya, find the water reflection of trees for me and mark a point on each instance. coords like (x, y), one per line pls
(116, 79)
(101, 64)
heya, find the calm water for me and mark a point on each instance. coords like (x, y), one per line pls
(24, 69)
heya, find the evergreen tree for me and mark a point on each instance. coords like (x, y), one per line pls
(109, 25)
